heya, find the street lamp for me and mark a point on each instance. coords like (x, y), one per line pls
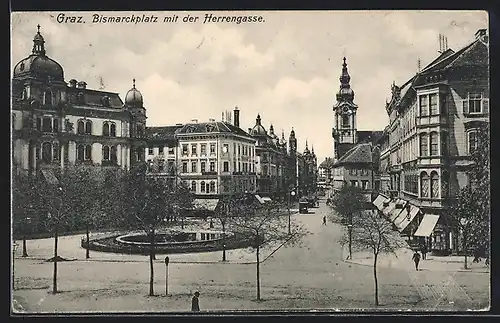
(290, 194)
(14, 248)
(349, 229)
(25, 251)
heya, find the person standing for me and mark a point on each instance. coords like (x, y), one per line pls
(195, 303)
(416, 259)
(424, 251)
(324, 220)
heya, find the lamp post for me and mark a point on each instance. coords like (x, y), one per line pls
(349, 230)
(167, 260)
(14, 248)
(28, 223)
(290, 194)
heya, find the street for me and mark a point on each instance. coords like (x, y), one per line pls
(311, 275)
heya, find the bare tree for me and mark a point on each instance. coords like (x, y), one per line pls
(374, 233)
(348, 203)
(265, 225)
(147, 199)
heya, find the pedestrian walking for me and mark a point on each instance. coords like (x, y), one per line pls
(324, 220)
(416, 259)
(477, 257)
(423, 250)
(195, 303)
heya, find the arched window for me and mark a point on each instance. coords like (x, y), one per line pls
(212, 186)
(105, 129)
(445, 182)
(47, 98)
(55, 151)
(81, 127)
(55, 125)
(434, 143)
(88, 127)
(424, 185)
(47, 152)
(88, 152)
(424, 145)
(105, 153)
(25, 94)
(80, 152)
(193, 186)
(345, 121)
(471, 141)
(202, 187)
(434, 185)
(112, 130)
(114, 155)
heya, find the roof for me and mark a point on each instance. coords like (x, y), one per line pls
(368, 136)
(162, 133)
(361, 153)
(213, 126)
(327, 163)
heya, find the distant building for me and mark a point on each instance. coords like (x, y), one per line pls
(57, 124)
(425, 150)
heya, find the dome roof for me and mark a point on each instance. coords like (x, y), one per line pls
(258, 129)
(38, 64)
(134, 97)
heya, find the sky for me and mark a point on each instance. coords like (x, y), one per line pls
(285, 68)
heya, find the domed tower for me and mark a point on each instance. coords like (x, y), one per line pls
(345, 130)
(259, 131)
(134, 104)
(38, 78)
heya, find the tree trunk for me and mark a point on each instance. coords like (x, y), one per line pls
(350, 243)
(375, 278)
(151, 264)
(87, 233)
(465, 250)
(54, 277)
(258, 273)
(223, 241)
(25, 251)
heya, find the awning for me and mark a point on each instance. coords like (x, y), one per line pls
(405, 218)
(260, 199)
(266, 199)
(398, 208)
(379, 201)
(388, 209)
(427, 225)
(205, 204)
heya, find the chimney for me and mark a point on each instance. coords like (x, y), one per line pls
(480, 33)
(72, 83)
(211, 120)
(236, 117)
(249, 130)
(194, 120)
(82, 85)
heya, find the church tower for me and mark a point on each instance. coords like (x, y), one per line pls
(134, 104)
(345, 130)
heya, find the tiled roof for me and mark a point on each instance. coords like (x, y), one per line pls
(361, 153)
(95, 98)
(162, 133)
(213, 126)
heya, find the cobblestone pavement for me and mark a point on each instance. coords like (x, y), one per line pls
(312, 275)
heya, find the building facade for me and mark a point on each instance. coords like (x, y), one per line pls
(57, 124)
(425, 150)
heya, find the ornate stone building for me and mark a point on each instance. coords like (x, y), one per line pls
(56, 124)
(425, 150)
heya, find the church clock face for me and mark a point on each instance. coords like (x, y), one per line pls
(345, 110)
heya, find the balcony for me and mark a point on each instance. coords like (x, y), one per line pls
(209, 173)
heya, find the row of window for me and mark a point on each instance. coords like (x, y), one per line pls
(203, 149)
(50, 152)
(203, 166)
(364, 184)
(361, 171)
(204, 187)
(51, 124)
(161, 150)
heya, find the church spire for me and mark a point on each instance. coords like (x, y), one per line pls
(38, 43)
(345, 92)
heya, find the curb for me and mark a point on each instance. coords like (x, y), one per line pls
(146, 260)
(447, 270)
